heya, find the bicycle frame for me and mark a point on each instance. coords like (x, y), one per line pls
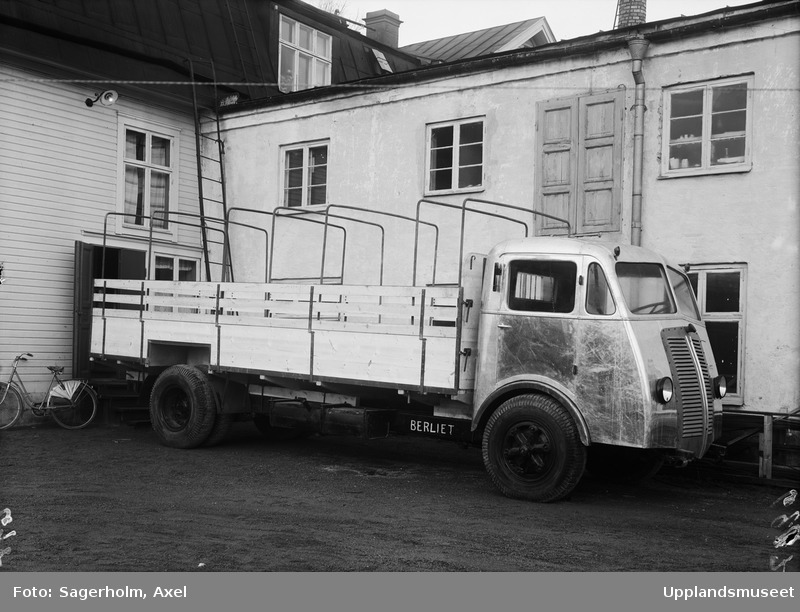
(19, 385)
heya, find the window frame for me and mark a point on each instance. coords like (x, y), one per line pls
(123, 225)
(702, 271)
(516, 264)
(672, 167)
(305, 147)
(455, 168)
(317, 58)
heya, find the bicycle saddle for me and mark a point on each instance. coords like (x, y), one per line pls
(56, 369)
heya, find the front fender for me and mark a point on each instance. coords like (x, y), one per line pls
(520, 387)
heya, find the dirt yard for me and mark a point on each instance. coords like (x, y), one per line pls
(109, 498)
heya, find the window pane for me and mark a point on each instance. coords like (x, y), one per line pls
(441, 179)
(442, 137)
(729, 97)
(159, 151)
(470, 155)
(687, 104)
(683, 293)
(287, 69)
(294, 178)
(294, 158)
(304, 71)
(134, 195)
(471, 132)
(165, 268)
(159, 199)
(693, 279)
(542, 286)
(287, 29)
(187, 270)
(323, 45)
(722, 292)
(645, 288)
(598, 295)
(470, 177)
(724, 338)
(317, 195)
(293, 197)
(135, 143)
(323, 73)
(318, 156)
(306, 38)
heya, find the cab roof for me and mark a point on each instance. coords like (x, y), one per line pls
(600, 249)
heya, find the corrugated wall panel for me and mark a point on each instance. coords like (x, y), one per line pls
(59, 169)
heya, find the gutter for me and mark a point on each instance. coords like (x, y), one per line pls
(638, 48)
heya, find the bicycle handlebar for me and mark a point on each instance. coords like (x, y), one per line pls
(23, 356)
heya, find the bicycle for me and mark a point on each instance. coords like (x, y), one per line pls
(71, 402)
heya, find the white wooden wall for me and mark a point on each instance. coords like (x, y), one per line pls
(59, 169)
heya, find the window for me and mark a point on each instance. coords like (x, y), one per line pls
(542, 286)
(305, 174)
(707, 127)
(305, 56)
(169, 268)
(598, 295)
(175, 268)
(147, 161)
(455, 156)
(645, 288)
(578, 175)
(720, 294)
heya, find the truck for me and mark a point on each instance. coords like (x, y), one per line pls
(553, 355)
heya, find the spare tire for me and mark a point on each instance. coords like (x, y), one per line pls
(182, 407)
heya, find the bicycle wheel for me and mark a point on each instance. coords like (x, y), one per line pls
(10, 405)
(77, 411)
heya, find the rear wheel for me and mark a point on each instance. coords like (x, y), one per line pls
(532, 450)
(76, 410)
(182, 407)
(10, 405)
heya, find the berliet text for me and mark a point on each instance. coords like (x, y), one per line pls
(106, 592)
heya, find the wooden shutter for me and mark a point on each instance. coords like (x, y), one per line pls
(579, 166)
(599, 166)
(556, 163)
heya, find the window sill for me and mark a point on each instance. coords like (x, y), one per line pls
(444, 192)
(687, 172)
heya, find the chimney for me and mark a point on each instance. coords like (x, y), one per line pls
(384, 27)
(631, 13)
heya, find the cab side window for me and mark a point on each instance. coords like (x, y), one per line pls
(598, 295)
(542, 286)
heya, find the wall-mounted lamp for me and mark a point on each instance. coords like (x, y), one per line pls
(107, 98)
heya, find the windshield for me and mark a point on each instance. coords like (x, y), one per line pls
(683, 293)
(645, 288)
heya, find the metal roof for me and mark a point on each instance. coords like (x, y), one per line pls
(484, 42)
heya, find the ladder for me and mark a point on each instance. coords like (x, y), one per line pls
(210, 157)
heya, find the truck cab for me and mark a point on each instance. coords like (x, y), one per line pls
(604, 337)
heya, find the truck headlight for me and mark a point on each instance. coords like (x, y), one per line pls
(720, 386)
(664, 390)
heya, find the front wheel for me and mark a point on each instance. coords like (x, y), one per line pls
(532, 450)
(10, 405)
(182, 407)
(75, 406)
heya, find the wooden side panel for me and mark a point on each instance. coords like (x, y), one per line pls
(267, 349)
(374, 358)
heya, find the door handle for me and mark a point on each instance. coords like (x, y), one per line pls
(503, 326)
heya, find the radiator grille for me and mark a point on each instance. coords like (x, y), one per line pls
(693, 393)
(709, 385)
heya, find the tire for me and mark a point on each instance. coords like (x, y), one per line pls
(278, 434)
(79, 410)
(10, 405)
(182, 407)
(532, 450)
(623, 465)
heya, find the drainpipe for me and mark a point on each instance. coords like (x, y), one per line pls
(637, 48)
